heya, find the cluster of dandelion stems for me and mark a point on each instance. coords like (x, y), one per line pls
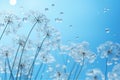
(74, 69)
(7, 62)
(76, 76)
(30, 72)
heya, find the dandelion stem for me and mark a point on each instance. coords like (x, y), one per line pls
(80, 69)
(41, 76)
(5, 77)
(20, 74)
(77, 65)
(37, 52)
(106, 67)
(29, 76)
(15, 57)
(66, 62)
(3, 31)
(44, 66)
(38, 71)
(14, 61)
(71, 71)
(23, 49)
(63, 58)
(10, 67)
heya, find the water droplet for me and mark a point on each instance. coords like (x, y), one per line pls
(46, 9)
(52, 4)
(70, 26)
(106, 10)
(58, 20)
(107, 30)
(61, 12)
(77, 37)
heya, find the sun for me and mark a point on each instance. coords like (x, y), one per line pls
(13, 2)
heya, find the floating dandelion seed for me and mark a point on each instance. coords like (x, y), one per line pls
(52, 4)
(46, 9)
(71, 26)
(107, 30)
(61, 12)
(58, 20)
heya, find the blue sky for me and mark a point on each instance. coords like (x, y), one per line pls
(87, 17)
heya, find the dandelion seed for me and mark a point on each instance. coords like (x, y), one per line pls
(52, 4)
(46, 9)
(107, 30)
(58, 20)
(61, 12)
